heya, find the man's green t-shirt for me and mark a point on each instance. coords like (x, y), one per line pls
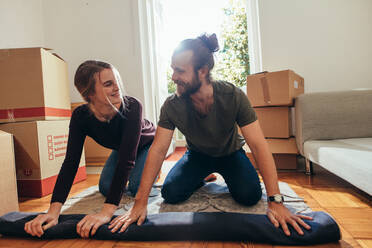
(214, 134)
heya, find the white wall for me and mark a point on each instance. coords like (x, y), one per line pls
(21, 23)
(96, 29)
(328, 42)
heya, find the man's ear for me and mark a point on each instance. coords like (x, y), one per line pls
(203, 72)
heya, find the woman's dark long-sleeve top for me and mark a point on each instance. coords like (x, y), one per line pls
(127, 133)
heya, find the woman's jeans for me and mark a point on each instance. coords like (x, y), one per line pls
(134, 176)
(189, 172)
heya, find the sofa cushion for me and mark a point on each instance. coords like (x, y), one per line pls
(350, 159)
(333, 115)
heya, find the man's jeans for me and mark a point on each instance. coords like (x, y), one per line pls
(134, 176)
(189, 172)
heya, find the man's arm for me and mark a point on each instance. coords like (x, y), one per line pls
(154, 161)
(277, 212)
(255, 139)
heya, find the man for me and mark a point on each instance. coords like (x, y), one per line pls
(207, 112)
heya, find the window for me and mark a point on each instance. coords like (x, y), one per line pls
(164, 23)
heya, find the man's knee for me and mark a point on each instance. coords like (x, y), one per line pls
(248, 196)
(103, 188)
(172, 194)
(133, 188)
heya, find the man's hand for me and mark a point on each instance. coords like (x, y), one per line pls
(90, 223)
(35, 227)
(137, 213)
(279, 215)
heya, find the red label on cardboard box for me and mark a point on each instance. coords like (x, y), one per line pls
(56, 146)
(33, 112)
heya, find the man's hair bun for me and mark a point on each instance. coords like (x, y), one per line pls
(210, 41)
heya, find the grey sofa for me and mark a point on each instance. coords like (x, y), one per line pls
(334, 130)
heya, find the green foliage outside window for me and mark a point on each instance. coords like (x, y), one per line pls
(171, 85)
(232, 61)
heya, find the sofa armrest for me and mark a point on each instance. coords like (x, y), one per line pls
(333, 115)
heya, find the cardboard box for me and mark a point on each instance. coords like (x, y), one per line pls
(8, 185)
(40, 149)
(283, 146)
(285, 161)
(284, 152)
(275, 122)
(274, 88)
(33, 85)
(95, 154)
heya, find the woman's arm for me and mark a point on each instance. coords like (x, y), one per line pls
(154, 161)
(131, 134)
(75, 144)
(130, 139)
(64, 181)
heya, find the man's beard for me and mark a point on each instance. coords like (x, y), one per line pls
(189, 88)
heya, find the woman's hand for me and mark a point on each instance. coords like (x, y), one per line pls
(90, 223)
(137, 213)
(280, 215)
(36, 226)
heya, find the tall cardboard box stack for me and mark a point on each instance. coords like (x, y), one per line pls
(35, 109)
(272, 96)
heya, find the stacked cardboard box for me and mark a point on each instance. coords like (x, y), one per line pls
(34, 85)
(35, 108)
(272, 95)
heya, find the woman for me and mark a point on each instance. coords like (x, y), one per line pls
(114, 121)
